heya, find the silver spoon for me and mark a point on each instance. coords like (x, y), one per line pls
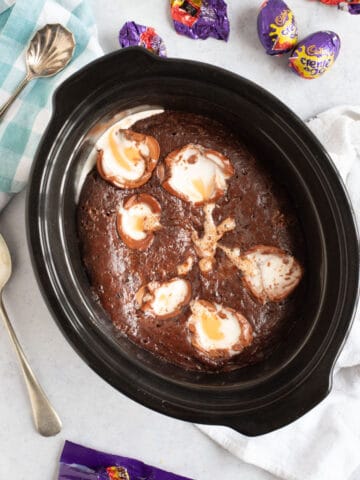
(46, 420)
(49, 51)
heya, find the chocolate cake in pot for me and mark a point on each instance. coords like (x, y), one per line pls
(195, 253)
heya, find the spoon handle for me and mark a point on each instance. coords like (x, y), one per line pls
(11, 100)
(46, 420)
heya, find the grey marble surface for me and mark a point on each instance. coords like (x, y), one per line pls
(94, 413)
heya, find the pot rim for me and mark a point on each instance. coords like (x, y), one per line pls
(149, 397)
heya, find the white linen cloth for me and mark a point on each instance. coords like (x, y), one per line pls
(325, 443)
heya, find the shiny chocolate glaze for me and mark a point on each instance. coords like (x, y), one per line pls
(263, 214)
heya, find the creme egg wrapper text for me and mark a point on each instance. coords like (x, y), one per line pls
(217, 331)
(196, 174)
(126, 158)
(164, 300)
(137, 219)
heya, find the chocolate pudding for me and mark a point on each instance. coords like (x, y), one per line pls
(252, 210)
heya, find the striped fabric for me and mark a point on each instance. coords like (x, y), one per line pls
(24, 123)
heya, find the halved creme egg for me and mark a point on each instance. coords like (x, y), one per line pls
(268, 272)
(127, 159)
(216, 331)
(137, 220)
(197, 174)
(164, 300)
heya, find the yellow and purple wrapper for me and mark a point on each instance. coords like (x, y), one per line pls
(277, 29)
(315, 55)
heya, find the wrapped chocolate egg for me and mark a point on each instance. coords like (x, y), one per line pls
(315, 55)
(277, 28)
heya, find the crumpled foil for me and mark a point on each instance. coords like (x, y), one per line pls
(352, 7)
(134, 35)
(201, 19)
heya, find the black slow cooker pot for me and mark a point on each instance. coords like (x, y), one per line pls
(252, 400)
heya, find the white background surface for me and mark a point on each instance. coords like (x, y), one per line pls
(93, 413)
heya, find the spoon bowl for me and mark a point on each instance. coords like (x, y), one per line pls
(49, 51)
(5, 264)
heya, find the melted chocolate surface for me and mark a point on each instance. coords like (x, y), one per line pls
(263, 215)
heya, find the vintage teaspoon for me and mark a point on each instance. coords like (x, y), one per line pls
(50, 50)
(46, 420)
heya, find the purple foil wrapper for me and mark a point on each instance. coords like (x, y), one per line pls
(211, 22)
(81, 463)
(277, 29)
(133, 35)
(354, 8)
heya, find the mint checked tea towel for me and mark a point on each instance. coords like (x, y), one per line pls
(24, 123)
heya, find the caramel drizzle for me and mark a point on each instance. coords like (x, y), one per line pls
(206, 245)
